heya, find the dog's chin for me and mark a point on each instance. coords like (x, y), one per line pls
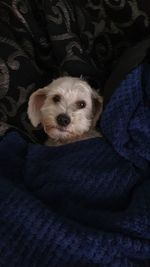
(64, 135)
(59, 134)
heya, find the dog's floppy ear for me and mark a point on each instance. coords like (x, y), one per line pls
(35, 104)
(97, 102)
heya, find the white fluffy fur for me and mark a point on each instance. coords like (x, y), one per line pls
(42, 109)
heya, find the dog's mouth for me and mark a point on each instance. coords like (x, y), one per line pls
(60, 129)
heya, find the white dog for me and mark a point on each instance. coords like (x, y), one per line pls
(68, 109)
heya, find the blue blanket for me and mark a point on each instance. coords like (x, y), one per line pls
(86, 203)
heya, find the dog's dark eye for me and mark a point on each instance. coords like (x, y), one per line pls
(81, 104)
(56, 98)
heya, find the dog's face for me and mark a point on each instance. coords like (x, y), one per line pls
(67, 108)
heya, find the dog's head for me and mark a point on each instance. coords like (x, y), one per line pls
(67, 108)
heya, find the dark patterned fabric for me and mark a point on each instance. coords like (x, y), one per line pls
(85, 204)
(43, 39)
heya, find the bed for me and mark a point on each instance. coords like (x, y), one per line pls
(86, 203)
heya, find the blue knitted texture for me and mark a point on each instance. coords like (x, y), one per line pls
(85, 204)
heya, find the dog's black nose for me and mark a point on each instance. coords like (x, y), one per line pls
(63, 120)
